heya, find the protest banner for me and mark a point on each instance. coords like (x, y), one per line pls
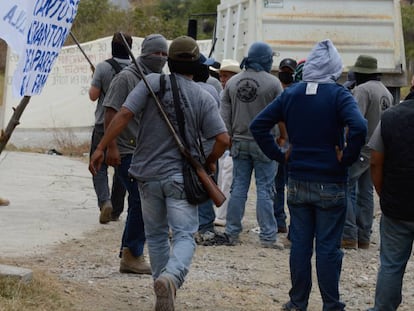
(64, 103)
(36, 31)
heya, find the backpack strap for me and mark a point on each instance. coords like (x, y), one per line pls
(162, 87)
(181, 119)
(117, 67)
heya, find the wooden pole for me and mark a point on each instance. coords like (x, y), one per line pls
(14, 121)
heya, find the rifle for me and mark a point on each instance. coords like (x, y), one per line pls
(83, 52)
(206, 180)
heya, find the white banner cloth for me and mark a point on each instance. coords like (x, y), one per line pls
(36, 30)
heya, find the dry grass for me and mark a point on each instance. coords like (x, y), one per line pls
(42, 293)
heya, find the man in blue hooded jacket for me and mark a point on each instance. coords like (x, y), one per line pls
(316, 112)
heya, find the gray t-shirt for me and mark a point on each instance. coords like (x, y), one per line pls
(376, 143)
(156, 155)
(215, 83)
(209, 143)
(102, 77)
(120, 87)
(372, 98)
(244, 96)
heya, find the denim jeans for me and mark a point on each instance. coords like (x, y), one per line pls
(100, 180)
(118, 193)
(247, 157)
(397, 238)
(206, 216)
(133, 236)
(165, 207)
(317, 212)
(279, 200)
(360, 205)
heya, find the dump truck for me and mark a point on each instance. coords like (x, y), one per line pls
(292, 27)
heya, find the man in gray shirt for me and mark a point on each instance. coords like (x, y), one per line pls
(244, 96)
(157, 164)
(372, 98)
(119, 153)
(111, 204)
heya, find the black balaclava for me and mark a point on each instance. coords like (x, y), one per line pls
(118, 47)
(286, 77)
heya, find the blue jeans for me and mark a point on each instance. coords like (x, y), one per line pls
(206, 213)
(165, 207)
(279, 200)
(100, 180)
(360, 205)
(397, 238)
(317, 212)
(133, 236)
(206, 216)
(247, 157)
(118, 193)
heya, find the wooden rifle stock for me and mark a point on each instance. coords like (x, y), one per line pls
(206, 180)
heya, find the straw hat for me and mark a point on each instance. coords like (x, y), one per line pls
(229, 65)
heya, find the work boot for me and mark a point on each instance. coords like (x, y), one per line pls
(132, 264)
(106, 213)
(164, 289)
(349, 244)
(4, 202)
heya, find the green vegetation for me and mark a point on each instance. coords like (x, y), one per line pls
(407, 15)
(98, 18)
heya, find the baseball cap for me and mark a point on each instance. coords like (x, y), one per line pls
(184, 49)
(288, 62)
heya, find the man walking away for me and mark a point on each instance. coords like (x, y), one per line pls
(157, 164)
(111, 204)
(120, 151)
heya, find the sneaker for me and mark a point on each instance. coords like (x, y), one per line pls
(106, 213)
(220, 222)
(289, 307)
(200, 238)
(230, 241)
(218, 240)
(256, 230)
(272, 244)
(165, 291)
(349, 244)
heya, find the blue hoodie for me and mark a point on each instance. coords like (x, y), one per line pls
(316, 112)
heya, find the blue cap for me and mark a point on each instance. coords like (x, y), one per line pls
(206, 61)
